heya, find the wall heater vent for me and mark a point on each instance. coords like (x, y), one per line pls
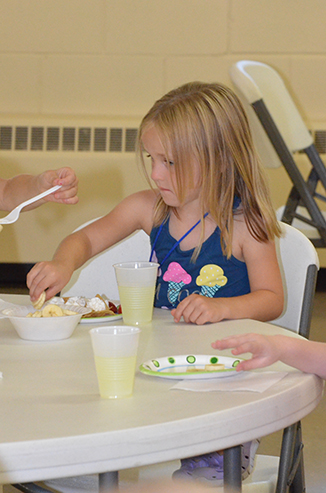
(320, 141)
(53, 136)
(318, 131)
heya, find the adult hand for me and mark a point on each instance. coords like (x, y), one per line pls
(65, 177)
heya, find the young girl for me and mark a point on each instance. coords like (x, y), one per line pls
(209, 217)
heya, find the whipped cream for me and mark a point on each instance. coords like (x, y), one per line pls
(57, 301)
(95, 304)
(78, 301)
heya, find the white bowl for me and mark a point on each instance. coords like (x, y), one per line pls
(43, 328)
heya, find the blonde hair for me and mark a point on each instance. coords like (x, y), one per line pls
(206, 123)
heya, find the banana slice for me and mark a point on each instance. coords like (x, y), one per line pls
(68, 312)
(52, 311)
(37, 314)
(39, 302)
(34, 314)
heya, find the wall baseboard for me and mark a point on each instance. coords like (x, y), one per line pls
(14, 274)
(321, 280)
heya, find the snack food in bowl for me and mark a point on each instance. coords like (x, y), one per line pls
(44, 328)
(51, 310)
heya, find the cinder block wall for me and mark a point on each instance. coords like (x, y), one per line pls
(104, 58)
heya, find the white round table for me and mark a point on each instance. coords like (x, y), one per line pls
(54, 424)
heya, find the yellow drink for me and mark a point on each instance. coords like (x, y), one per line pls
(137, 304)
(115, 376)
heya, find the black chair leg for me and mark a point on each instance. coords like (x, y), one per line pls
(30, 488)
(232, 470)
(291, 471)
(298, 483)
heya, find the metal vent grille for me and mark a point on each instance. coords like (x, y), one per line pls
(320, 141)
(67, 138)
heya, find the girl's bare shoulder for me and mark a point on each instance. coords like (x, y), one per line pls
(138, 209)
(243, 241)
(142, 199)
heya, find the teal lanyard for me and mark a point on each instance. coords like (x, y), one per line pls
(176, 243)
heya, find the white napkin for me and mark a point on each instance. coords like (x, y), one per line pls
(241, 382)
(4, 305)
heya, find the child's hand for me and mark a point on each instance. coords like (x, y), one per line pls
(199, 310)
(65, 177)
(50, 277)
(265, 349)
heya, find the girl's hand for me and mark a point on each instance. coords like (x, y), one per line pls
(265, 349)
(50, 277)
(65, 177)
(199, 310)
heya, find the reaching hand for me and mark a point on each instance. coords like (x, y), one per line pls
(265, 349)
(50, 277)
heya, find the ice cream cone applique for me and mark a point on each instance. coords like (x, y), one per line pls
(211, 278)
(177, 277)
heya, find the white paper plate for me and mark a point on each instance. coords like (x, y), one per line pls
(185, 367)
(99, 320)
(93, 320)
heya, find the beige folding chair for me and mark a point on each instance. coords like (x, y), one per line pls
(280, 132)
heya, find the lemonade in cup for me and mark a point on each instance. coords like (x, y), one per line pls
(136, 283)
(115, 353)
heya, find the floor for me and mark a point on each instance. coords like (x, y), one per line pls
(313, 426)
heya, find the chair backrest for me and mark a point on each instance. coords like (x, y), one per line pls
(97, 276)
(258, 81)
(279, 131)
(299, 265)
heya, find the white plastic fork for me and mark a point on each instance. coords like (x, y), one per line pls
(14, 214)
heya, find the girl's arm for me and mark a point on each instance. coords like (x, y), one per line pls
(266, 298)
(22, 187)
(307, 356)
(133, 213)
(264, 302)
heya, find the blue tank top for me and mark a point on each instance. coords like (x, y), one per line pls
(212, 274)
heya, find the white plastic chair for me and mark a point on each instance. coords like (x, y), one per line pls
(299, 266)
(279, 131)
(97, 276)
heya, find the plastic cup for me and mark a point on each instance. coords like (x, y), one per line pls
(136, 284)
(115, 352)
